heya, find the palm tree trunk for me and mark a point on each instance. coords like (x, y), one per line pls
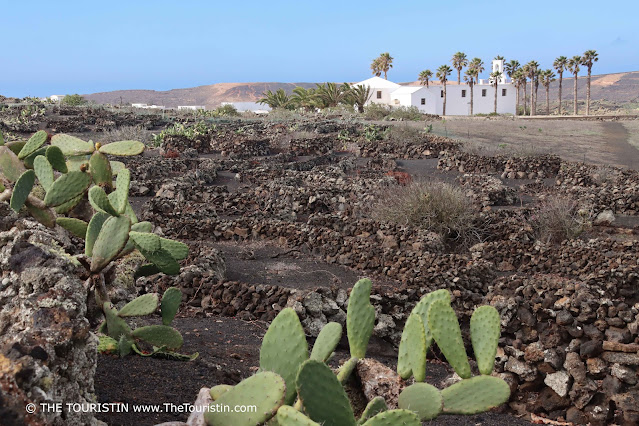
(444, 111)
(385, 76)
(471, 99)
(495, 96)
(525, 96)
(575, 97)
(458, 76)
(588, 93)
(548, 99)
(561, 78)
(536, 95)
(532, 95)
(517, 102)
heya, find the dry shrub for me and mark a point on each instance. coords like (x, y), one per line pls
(127, 133)
(560, 218)
(436, 206)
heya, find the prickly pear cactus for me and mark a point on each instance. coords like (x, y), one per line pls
(123, 148)
(326, 341)
(475, 395)
(423, 306)
(111, 240)
(170, 303)
(289, 416)
(411, 360)
(67, 187)
(217, 391)
(485, 328)
(346, 370)
(374, 407)
(265, 390)
(423, 399)
(142, 305)
(284, 349)
(394, 418)
(75, 226)
(33, 144)
(21, 190)
(445, 328)
(360, 318)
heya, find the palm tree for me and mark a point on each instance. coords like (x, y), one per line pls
(495, 76)
(331, 95)
(304, 98)
(382, 64)
(537, 77)
(547, 77)
(442, 74)
(376, 67)
(511, 67)
(359, 96)
(425, 76)
(499, 58)
(573, 66)
(589, 57)
(469, 78)
(518, 78)
(279, 99)
(459, 61)
(531, 71)
(477, 64)
(560, 64)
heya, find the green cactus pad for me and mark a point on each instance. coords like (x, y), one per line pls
(93, 230)
(100, 202)
(142, 305)
(423, 399)
(289, 416)
(111, 240)
(177, 249)
(360, 318)
(170, 304)
(16, 146)
(346, 370)
(159, 335)
(74, 164)
(217, 391)
(107, 345)
(123, 148)
(120, 197)
(163, 260)
(265, 390)
(145, 241)
(75, 226)
(67, 187)
(323, 396)
(128, 212)
(71, 146)
(394, 418)
(44, 172)
(124, 346)
(33, 144)
(422, 309)
(373, 408)
(475, 395)
(485, 328)
(21, 190)
(137, 227)
(116, 326)
(411, 360)
(10, 166)
(100, 170)
(146, 270)
(56, 158)
(69, 205)
(44, 216)
(326, 341)
(1, 139)
(445, 328)
(284, 349)
(117, 167)
(28, 162)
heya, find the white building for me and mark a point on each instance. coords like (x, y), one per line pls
(145, 106)
(191, 107)
(253, 107)
(430, 100)
(56, 98)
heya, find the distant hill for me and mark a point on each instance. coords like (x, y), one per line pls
(618, 88)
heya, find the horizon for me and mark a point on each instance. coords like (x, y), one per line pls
(87, 48)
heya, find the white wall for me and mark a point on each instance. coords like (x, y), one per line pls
(458, 105)
(385, 99)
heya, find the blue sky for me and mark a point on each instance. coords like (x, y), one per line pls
(60, 47)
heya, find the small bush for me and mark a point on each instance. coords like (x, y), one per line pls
(227, 110)
(73, 100)
(404, 113)
(376, 112)
(436, 206)
(127, 133)
(560, 218)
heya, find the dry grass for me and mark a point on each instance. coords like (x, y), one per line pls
(560, 218)
(127, 133)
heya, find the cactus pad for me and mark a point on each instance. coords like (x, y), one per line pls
(374, 407)
(44, 216)
(44, 172)
(219, 390)
(69, 205)
(111, 240)
(163, 260)
(323, 396)
(445, 328)
(176, 249)
(77, 163)
(326, 341)
(28, 162)
(394, 418)
(142, 305)
(170, 304)
(475, 395)
(100, 169)
(70, 145)
(360, 318)
(21, 190)
(284, 349)
(289, 416)
(117, 167)
(116, 326)
(75, 226)
(56, 158)
(485, 328)
(93, 230)
(346, 370)
(411, 360)
(145, 271)
(422, 307)
(123, 148)
(146, 241)
(10, 166)
(159, 335)
(100, 202)
(33, 144)
(423, 399)
(265, 390)
(67, 187)
(120, 197)
(124, 346)
(107, 345)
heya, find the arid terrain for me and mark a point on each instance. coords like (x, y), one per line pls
(292, 211)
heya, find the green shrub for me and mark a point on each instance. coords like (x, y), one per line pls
(404, 113)
(73, 100)
(227, 110)
(376, 111)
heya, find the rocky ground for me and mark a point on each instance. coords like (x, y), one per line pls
(278, 214)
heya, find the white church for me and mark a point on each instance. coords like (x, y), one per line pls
(430, 100)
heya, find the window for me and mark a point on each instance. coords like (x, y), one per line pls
(423, 101)
(503, 92)
(379, 94)
(442, 95)
(483, 93)
(463, 93)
